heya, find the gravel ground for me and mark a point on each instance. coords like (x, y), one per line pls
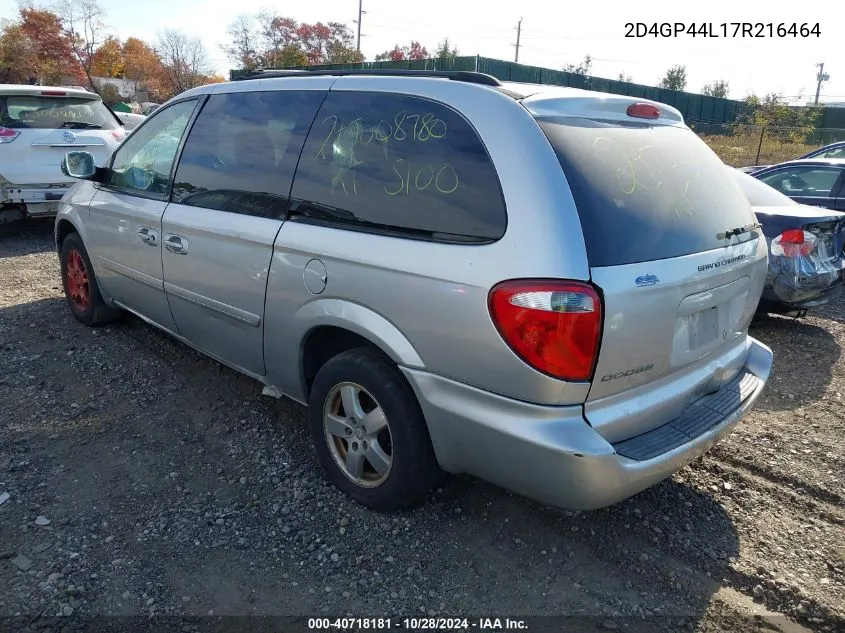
(146, 480)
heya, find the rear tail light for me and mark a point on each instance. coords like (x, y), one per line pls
(794, 243)
(8, 135)
(118, 134)
(554, 326)
(53, 93)
(644, 111)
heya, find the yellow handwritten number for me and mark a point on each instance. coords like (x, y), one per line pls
(445, 178)
(321, 153)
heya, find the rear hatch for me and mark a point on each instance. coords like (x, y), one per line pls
(39, 128)
(656, 206)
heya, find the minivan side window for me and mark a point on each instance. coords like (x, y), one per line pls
(142, 164)
(399, 165)
(241, 153)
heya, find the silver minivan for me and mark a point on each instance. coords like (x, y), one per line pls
(547, 288)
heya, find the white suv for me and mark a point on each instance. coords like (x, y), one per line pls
(38, 124)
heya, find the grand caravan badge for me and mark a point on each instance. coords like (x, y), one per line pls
(722, 262)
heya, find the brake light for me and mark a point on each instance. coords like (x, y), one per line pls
(53, 93)
(554, 326)
(8, 135)
(643, 111)
(118, 133)
(794, 243)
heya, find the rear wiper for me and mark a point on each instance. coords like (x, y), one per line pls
(81, 125)
(738, 231)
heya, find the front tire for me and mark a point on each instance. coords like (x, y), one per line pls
(80, 285)
(369, 431)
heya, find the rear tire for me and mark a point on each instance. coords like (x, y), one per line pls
(80, 285)
(388, 466)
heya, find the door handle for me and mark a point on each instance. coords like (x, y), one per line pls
(176, 244)
(148, 236)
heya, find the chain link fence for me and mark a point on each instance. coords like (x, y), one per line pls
(745, 145)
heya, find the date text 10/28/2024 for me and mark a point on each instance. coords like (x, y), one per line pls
(417, 624)
(723, 29)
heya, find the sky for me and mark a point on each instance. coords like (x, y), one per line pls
(553, 34)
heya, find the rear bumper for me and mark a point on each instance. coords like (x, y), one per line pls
(771, 302)
(552, 455)
(803, 282)
(37, 195)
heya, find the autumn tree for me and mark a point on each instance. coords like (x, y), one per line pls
(718, 88)
(18, 61)
(279, 44)
(36, 48)
(84, 26)
(140, 61)
(107, 60)
(184, 61)
(413, 51)
(271, 41)
(330, 43)
(674, 79)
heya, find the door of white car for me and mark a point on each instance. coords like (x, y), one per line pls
(124, 226)
(230, 197)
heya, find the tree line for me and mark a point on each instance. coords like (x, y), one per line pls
(270, 40)
(69, 44)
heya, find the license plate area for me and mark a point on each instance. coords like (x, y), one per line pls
(703, 327)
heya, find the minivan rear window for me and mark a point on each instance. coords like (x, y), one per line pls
(645, 192)
(400, 165)
(52, 113)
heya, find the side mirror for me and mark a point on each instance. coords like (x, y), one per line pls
(79, 165)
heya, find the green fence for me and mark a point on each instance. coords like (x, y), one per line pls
(694, 107)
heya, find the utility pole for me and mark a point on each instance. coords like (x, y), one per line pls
(360, 12)
(821, 77)
(518, 33)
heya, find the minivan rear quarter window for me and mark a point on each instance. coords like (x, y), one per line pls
(645, 192)
(398, 164)
(50, 113)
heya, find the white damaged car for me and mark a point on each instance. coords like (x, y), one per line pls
(38, 125)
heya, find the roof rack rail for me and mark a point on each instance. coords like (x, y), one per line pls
(467, 76)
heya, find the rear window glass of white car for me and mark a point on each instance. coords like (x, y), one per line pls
(645, 192)
(398, 165)
(52, 113)
(241, 153)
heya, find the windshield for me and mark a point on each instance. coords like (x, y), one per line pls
(645, 192)
(52, 113)
(760, 194)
